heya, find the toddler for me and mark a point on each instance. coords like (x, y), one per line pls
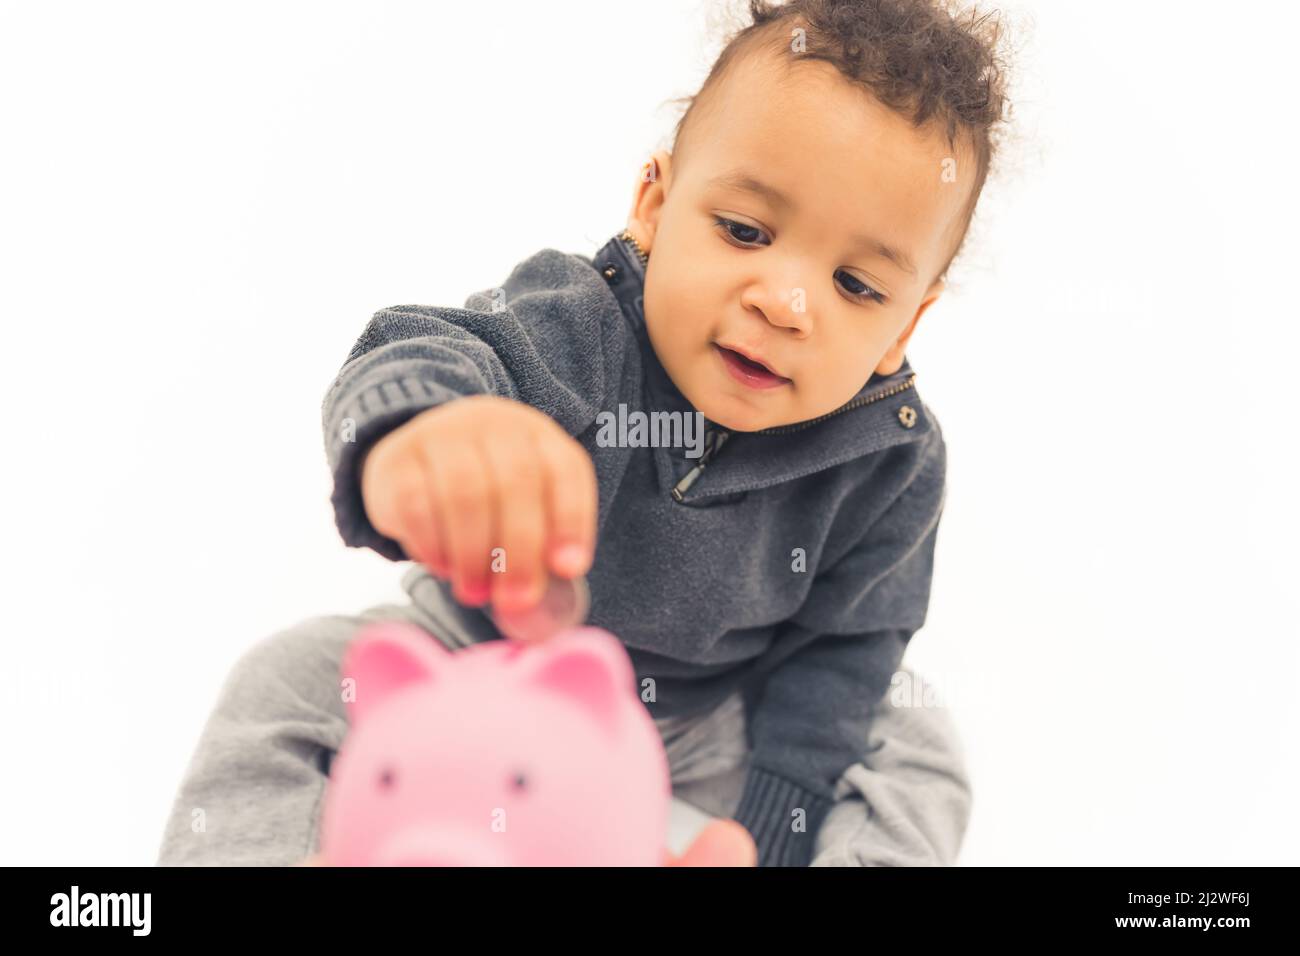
(764, 571)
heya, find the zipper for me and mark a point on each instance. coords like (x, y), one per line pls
(719, 436)
(713, 441)
(847, 406)
(631, 240)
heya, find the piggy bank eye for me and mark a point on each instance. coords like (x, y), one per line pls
(387, 779)
(519, 781)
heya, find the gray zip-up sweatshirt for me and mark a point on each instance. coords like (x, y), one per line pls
(793, 563)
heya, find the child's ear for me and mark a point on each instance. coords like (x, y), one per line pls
(892, 360)
(648, 194)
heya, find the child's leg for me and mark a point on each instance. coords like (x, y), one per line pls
(707, 757)
(905, 803)
(251, 795)
(908, 801)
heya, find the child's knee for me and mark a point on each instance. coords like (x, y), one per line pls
(297, 668)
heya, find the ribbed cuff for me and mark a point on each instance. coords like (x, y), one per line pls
(352, 428)
(782, 816)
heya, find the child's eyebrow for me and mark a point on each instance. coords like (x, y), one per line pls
(742, 181)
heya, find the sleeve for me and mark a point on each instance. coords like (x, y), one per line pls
(812, 712)
(551, 337)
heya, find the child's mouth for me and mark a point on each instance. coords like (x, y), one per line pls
(747, 372)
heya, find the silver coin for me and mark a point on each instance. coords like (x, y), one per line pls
(564, 604)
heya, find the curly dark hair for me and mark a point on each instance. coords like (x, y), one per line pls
(931, 61)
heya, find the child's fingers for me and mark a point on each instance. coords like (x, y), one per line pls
(571, 505)
(519, 525)
(416, 529)
(400, 505)
(463, 492)
(430, 540)
(382, 493)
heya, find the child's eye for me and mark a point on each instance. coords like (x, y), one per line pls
(732, 228)
(747, 236)
(858, 289)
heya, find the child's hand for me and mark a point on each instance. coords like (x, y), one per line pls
(721, 843)
(479, 473)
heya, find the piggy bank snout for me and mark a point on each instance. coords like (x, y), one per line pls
(441, 845)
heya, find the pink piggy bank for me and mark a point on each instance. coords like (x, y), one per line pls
(500, 754)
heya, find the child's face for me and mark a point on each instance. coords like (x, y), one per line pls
(786, 282)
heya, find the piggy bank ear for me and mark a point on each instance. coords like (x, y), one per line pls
(384, 658)
(587, 665)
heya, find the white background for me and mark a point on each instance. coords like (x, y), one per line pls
(201, 205)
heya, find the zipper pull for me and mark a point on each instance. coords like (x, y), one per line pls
(719, 438)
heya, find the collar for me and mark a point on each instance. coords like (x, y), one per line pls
(886, 411)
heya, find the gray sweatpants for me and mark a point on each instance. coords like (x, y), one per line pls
(252, 793)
